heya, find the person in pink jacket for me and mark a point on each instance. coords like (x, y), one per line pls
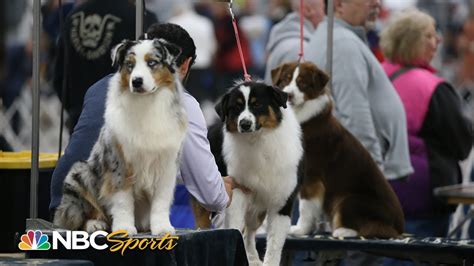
(438, 134)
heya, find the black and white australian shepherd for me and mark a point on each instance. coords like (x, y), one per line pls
(128, 181)
(339, 177)
(261, 148)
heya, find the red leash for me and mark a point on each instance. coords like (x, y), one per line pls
(301, 54)
(236, 31)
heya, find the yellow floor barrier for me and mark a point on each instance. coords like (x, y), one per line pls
(22, 160)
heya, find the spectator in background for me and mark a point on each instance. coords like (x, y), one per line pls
(18, 60)
(284, 42)
(163, 9)
(365, 101)
(83, 56)
(200, 77)
(50, 13)
(256, 27)
(372, 32)
(439, 135)
(465, 77)
(228, 65)
(277, 9)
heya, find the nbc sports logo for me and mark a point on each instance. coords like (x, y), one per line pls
(80, 240)
(34, 240)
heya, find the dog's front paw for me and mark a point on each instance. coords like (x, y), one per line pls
(162, 229)
(344, 232)
(255, 262)
(95, 225)
(131, 229)
(297, 231)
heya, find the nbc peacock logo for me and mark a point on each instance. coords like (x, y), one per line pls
(34, 240)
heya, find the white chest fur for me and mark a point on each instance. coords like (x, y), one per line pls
(150, 128)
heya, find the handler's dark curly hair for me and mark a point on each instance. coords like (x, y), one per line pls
(177, 35)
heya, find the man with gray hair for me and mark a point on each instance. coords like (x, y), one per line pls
(284, 41)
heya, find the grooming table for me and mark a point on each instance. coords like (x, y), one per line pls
(431, 250)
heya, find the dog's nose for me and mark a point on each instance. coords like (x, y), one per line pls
(137, 82)
(245, 125)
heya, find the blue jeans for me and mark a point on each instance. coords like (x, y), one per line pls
(437, 226)
(433, 227)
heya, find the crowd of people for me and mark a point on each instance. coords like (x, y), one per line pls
(415, 121)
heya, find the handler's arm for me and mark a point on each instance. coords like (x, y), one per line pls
(198, 168)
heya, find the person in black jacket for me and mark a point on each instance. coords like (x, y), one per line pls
(91, 30)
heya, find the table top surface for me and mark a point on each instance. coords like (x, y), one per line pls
(461, 190)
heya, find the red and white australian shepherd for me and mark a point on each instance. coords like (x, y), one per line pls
(339, 177)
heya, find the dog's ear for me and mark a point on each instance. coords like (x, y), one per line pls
(168, 51)
(221, 107)
(276, 73)
(319, 78)
(279, 96)
(119, 51)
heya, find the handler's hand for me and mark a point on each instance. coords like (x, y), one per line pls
(228, 189)
(230, 184)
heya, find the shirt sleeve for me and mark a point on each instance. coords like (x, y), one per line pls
(350, 92)
(445, 126)
(83, 139)
(198, 168)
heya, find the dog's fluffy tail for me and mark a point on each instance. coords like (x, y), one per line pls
(79, 201)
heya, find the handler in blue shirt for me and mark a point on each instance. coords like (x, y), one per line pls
(198, 169)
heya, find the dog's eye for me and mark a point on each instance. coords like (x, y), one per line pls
(129, 66)
(152, 63)
(257, 105)
(234, 108)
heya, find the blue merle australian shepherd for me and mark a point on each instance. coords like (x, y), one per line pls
(128, 181)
